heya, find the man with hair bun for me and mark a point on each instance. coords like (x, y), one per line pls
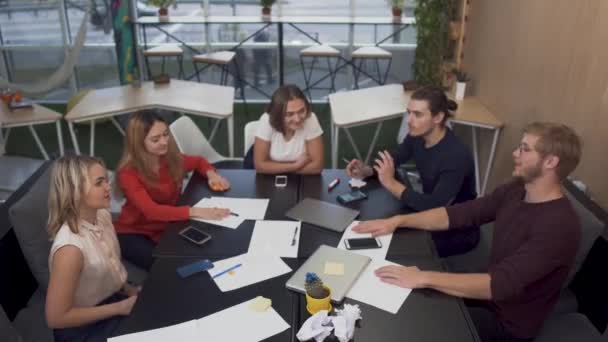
(445, 164)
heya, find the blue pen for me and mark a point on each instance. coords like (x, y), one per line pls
(227, 270)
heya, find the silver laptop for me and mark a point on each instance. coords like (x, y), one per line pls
(354, 264)
(323, 214)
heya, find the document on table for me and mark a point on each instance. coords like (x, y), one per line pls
(374, 253)
(240, 323)
(241, 209)
(237, 323)
(247, 208)
(279, 238)
(183, 332)
(369, 289)
(253, 269)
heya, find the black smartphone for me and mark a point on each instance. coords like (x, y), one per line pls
(362, 243)
(352, 196)
(194, 235)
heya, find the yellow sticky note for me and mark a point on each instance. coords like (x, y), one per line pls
(260, 304)
(334, 268)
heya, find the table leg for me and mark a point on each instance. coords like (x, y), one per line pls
(6, 135)
(38, 142)
(92, 141)
(334, 145)
(373, 144)
(281, 53)
(230, 122)
(490, 160)
(352, 142)
(74, 140)
(214, 130)
(60, 138)
(118, 126)
(476, 160)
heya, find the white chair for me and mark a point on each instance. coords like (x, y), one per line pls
(250, 129)
(190, 140)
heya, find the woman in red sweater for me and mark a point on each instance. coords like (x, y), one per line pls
(150, 174)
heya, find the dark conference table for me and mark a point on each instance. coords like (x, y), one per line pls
(166, 299)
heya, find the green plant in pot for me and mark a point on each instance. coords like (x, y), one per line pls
(462, 78)
(163, 7)
(318, 296)
(266, 6)
(396, 7)
(432, 37)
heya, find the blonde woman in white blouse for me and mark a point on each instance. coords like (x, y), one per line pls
(87, 294)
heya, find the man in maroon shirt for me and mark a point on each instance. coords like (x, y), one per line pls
(536, 235)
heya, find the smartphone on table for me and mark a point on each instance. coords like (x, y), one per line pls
(352, 196)
(280, 181)
(362, 243)
(195, 235)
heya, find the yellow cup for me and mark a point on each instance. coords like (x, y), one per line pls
(314, 305)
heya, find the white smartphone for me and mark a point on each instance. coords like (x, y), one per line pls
(194, 235)
(362, 243)
(280, 181)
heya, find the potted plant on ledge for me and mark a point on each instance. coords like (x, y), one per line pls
(396, 8)
(266, 8)
(163, 8)
(461, 84)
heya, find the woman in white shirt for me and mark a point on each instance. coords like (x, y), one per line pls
(289, 137)
(87, 294)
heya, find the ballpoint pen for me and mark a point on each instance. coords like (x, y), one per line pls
(227, 270)
(234, 214)
(293, 240)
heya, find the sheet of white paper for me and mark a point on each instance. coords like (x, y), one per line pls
(357, 183)
(275, 237)
(230, 221)
(371, 290)
(374, 253)
(253, 269)
(247, 208)
(239, 323)
(183, 332)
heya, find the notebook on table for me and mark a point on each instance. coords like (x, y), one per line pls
(323, 214)
(354, 264)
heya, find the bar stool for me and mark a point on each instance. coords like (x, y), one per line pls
(317, 52)
(371, 54)
(165, 51)
(222, 60)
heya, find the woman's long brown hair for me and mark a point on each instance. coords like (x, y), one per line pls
(136, 156)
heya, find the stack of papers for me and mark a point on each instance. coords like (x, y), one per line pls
(374, 253)
(237, 323)
(244, 208)
(252, 269)
(369, 289)
(278, 238)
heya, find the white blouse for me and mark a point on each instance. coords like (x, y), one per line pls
(288, 151)
(102, 272)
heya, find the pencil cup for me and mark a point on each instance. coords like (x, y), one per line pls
(314, 305)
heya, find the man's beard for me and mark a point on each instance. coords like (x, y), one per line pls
(529, 174)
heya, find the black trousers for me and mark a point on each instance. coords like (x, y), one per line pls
(95, 332)
(137, 249)
(489, 328)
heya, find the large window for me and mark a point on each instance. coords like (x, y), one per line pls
(33, 34)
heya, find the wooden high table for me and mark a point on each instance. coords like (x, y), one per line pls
(377, 104)
(195, 98)
(36, 115)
